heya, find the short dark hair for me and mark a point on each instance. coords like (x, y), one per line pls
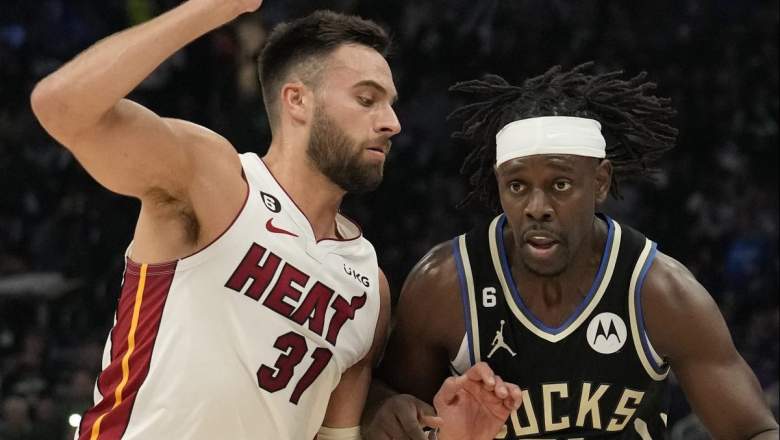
(633, 120)
(298, 42)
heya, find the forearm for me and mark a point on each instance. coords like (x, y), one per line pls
(86, 88)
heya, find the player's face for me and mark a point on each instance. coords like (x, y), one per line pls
(550, 202)
(354, 119)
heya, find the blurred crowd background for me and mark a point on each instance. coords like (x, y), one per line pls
(713, 205)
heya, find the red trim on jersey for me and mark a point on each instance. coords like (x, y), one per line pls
(354, 223)
(339, 239)
(238, 214)
(129, 366)
(100, 386)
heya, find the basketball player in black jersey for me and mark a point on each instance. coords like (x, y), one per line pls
(580, 311)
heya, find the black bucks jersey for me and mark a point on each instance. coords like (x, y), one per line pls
(595, 376)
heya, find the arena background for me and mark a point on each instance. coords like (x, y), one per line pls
(714, 206)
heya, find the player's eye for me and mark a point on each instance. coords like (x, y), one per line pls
(562, 185)
(365, 101)
(516, 187)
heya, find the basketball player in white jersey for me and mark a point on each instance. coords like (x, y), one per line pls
(250, 308)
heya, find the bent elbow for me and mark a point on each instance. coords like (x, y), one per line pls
(51, 109)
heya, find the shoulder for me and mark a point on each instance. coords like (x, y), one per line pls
(210, 165)
(429, 306)
(434, 275)
(677, 308)
(217, 191)
(670, 285)
(209, 148)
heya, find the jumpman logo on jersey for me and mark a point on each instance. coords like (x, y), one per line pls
(498, 342)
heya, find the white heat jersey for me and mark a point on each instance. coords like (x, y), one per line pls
(244, 340)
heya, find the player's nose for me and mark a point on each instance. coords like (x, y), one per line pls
(387, 123)
(538, 207)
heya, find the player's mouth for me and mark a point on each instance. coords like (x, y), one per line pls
(541, 244)
(377, 151)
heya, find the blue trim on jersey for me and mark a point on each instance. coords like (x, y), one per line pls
(464, 296)
(638, 305)
(585, 301)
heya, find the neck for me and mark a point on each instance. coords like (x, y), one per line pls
(314, 194)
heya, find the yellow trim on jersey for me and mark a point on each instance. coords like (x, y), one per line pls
(613, 254)
(640, 351)
(464, 256)
(139, 296)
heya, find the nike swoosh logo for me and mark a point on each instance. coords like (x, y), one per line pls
(275, 230)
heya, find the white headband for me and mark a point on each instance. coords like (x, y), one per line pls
(550, 135)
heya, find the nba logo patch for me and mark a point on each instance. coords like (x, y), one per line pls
(607, 333)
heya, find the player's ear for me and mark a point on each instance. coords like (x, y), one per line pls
(297, 101)
(603, 180)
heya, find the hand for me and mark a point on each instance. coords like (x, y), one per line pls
(402, 417)
(476, 405)
(233, 8)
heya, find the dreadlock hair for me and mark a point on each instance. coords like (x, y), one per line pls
(633, 120)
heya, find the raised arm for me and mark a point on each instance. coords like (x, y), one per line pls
(687, 329)
(126, 147)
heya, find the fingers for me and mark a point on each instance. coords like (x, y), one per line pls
(432, 421)
(411, 432)
(515, 398)
(500, 390)
(481, 372)
(480, 376)
(409, 419)
(400, 418)
(423, 409)
(510, 394)
(426, 415)
(480, 380)
(447, 392)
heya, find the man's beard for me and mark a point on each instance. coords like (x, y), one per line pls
(339, 158)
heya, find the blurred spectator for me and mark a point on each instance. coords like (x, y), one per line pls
(26, 376)
(16, 423)
(50, 420)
